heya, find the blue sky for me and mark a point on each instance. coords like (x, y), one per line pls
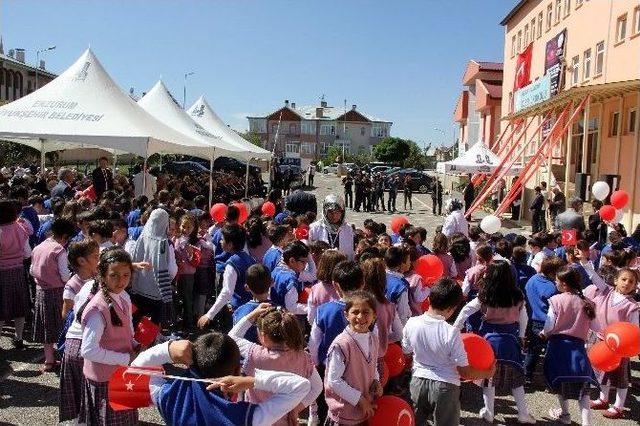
(398, 60)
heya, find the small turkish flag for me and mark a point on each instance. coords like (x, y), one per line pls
(129, 387)
(569, 237)
(146, 331)
(301, 232)
(303, 297)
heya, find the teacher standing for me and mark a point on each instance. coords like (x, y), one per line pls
(332, 227)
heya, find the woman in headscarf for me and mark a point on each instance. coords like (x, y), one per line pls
(332, 227)
(151, 288)
(455, 220)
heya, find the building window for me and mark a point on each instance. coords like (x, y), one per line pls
(526, 34)
(540, 18)
(631, 121)
(567, 7)
(549, 16)
(519, 41)
(343, 145)
(327, 129)
(586, 64)
(307, 148)
(613, 123)
(274, 128)
(362, 131)
(513, 46)
(578, 3)
(575, 70)
(599, 58)
(558, 10)
(621, 28)
(636, 20)
(292, 147)
(533, 29)
(308, 128)
(378, 130)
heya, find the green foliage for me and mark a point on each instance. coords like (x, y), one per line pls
(253, 138)
(392, 150)
(12, 154)
(334, 155)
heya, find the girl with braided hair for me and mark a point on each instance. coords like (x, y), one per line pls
(281, 348)
(107, 338)
(566, 366)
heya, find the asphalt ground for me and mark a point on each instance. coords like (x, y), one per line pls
(30, 398)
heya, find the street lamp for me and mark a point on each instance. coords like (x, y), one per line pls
(38, 52)
(184, 89)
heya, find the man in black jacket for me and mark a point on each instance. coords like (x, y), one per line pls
(102, 178)
(537, 214)
(469, 194)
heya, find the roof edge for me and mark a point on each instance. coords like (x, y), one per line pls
(513, 11)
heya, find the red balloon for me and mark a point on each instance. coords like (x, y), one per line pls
(303, 297)
(623, 338)
(392, 411)
(218, 212)
(394, 358)
(479, 351)
(384, 374)
(269, 209)
(602, 358)
(397, 222)
(430, 268)
(607, 213)
(244, 213)
(619, 199)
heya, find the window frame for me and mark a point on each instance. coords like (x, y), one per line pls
(558, 11)
(619, 25)
(614, 118)
(513, 45)
(294, 144)
(308, 148)
(636, 20)
(533, 28)
(567, 8)
(586, 64)
(540, 23)
(575, 70)
(519, 41)
(549, 16)
(631, 119)
(599, 53)
(526, 34)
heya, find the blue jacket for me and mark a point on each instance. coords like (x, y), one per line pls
(240, 262)
(539, 289)
(30, 214)
(284, 278)
(220, 255)
(183, 402)
(523, 273)
(396, 285)
(271, 258)
(133, 217)
(331, 321)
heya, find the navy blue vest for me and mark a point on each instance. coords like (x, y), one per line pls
(331, 321)
(395, 287)
(240, 262)
(284, 279)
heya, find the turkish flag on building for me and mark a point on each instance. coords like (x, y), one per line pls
(523, 68)
(569, 237)
(129, 387)
(146, 331)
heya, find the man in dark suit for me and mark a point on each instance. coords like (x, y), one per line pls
(537, 214)
(63, 187)
(102, 177)
(469, 194)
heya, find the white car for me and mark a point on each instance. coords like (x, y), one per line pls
(332, 168)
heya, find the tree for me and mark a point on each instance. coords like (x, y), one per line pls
(392, 150)
(334, 155)
(253, 138)
(12, 153)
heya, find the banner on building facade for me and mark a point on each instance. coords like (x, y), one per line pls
(554, 61)
(534, 93)
(523, 68)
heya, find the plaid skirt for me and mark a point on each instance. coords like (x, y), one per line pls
(95, 409)
(71, 380)
(14, 294)
(47, 319)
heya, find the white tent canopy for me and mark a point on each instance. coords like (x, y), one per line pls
(159, 103)
(84, 107)
(477, 159)
(202, 113)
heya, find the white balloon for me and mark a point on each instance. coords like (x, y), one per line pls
(490, 224)
(600, 190)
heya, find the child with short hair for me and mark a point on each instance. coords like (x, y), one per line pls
(324, 291)
(351, 379)
(234, 275)
(50, 271)
(107, 338)
(220, 255)
(418, 290)
(612, 304)
(259, 284)
(102, 232)
(286, 283)
(216, 356)
(119, 236)
(280, 347)
(523, 271)
(280, 236)
(536, 244)
(398, 262)
(439, 358)
(566, 366)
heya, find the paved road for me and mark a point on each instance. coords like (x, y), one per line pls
(29, 398)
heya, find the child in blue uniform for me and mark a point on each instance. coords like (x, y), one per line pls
(398, 262)
(286, 283)
(280, 236)
(219, 253)
(215, 355)
(234, 276)
(259, 284)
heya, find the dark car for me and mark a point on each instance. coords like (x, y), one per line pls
(179, 167)
(420, 182)
(228, 164)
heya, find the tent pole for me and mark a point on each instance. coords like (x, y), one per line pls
(246, 180)
(213, 156)
(42, 157)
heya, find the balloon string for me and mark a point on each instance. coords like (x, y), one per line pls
(151, 373)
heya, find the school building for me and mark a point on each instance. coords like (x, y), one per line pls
(570, 95)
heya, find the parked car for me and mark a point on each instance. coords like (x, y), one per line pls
(178, 167)
(380, 169)
(420, 182)
(229, 164)
(331, 168)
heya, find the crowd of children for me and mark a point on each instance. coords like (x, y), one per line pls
(297, 328)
